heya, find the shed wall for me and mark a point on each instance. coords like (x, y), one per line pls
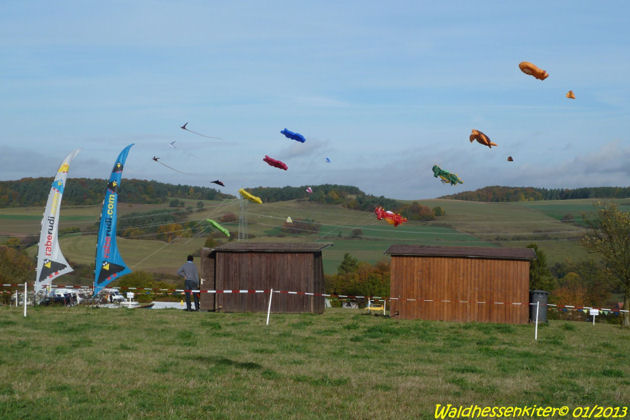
(207, 301)
(460, 289)
(301, 272)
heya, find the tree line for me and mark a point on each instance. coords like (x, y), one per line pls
(509, 194)
(28, 192)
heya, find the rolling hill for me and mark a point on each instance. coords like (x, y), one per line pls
(465, 223)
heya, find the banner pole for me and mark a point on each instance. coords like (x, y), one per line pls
(269, 307)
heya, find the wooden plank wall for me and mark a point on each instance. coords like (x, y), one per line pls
(207, 301)
(452, 289)
(281, 271)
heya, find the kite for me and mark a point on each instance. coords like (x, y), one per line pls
(289, 220)
(389, 216)
(327, 160)
(216, 181)
(445, 176)
(532, 70)
(276, 163)
(481, 138)
(183, 127)
(219, 227)
(293, 136)
(155, 158)
(249, 196)
(510, 159)
(171, 144)
(570, 95)
(309, 190)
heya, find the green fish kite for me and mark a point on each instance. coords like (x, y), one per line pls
(445, 176)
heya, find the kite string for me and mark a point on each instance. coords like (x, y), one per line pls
(170, 243)
(225, 203)
(202, 135)
(170, 167)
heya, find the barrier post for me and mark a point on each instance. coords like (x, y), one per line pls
(384, 305)
(536, 328)
(269, 307)
(25, 295)
(594, 312)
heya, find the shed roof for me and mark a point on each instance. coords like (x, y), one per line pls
(462, 252)
(274, 247)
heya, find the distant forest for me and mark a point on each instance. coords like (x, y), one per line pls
(504, 194)
(28, 192)
(344, 195)
(85, 191)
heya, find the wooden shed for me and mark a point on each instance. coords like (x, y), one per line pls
(460, 283)
(294, 267)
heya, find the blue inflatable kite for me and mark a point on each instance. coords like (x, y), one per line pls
(293, 136)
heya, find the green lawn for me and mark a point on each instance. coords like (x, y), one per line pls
(77, 363)
(576, 208)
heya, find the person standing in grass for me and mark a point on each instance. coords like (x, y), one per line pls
(191, 276)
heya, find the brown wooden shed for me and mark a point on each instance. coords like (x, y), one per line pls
(295, 267)
(460, 283)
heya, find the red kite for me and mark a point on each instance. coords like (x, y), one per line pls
(389, 216)
(276, 163)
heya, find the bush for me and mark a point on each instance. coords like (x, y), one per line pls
(439, 211)
(356, 234)
(301, 226)
(228, 217)
(359, 278)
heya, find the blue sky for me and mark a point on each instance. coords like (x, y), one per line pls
(385, 90)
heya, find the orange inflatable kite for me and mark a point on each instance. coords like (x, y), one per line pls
(570, 95)
(528, 68)
(481, 138)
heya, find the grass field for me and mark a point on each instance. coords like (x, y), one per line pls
(26, 220)
(100, 363)
(577, 208)
(465, 224)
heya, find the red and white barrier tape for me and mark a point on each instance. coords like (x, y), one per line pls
(287, 292)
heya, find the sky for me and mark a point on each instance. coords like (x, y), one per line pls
(386, 90)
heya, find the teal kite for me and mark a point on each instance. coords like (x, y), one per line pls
(445, 176)
(219, 227)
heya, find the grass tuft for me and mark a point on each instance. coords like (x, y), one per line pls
(612, 373)
(465, 369)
